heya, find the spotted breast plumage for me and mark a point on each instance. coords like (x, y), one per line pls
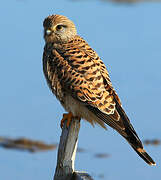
(80, 81)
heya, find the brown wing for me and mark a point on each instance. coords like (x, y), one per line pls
(51, 73)
(82, 75)
(81, 72)
(117, 118)
(76, 68)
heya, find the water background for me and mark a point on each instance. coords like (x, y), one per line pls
(128, 39)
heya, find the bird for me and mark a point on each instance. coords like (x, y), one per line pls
(80, 81)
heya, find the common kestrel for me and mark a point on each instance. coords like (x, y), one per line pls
(80, 81)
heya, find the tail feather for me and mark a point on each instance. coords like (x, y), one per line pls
(144, 155)
(126, 130)
(133, 138)
(136, 144)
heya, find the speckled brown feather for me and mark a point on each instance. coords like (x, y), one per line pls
(82, 74)
(78, 77)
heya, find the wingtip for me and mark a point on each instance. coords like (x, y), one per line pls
(152, 164)
(144, 155)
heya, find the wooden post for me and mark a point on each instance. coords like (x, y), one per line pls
(67, 152)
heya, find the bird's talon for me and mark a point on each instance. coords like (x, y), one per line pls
(67, 117)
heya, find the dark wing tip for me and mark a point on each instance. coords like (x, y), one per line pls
(144, 155)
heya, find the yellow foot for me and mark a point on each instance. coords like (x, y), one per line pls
(69, 116)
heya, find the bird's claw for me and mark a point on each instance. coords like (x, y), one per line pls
(68, 117)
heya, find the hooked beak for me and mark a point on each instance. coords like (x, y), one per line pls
(48, 32)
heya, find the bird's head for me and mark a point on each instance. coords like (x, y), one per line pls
(58, 29)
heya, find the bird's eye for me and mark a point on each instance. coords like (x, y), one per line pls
(59, 27)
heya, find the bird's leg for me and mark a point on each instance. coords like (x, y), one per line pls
(69, 116)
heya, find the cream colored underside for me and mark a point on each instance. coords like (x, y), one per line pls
(78, 109)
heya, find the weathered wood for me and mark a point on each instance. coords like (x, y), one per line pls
(67, 152)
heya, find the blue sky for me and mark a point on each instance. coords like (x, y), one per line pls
(127, 37)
